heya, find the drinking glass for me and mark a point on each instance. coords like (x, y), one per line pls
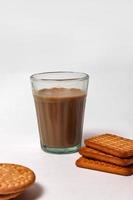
(60, 99)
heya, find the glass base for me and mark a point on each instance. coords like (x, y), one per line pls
(66, 150)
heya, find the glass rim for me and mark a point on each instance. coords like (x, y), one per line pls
(34, 77)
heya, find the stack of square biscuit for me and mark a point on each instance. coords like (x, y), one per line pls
(108, 153)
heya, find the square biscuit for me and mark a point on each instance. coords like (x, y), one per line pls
(103, 166)
(111, 144)
(98, 155)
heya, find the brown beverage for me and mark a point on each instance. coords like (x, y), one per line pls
(60, 113)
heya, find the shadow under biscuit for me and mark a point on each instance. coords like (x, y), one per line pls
(32, 193)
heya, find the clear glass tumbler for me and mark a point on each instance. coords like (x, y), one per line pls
(60, 103)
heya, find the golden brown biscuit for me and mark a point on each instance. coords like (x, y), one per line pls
(15, 178)
(9, 196)
(103, 166)
(98, 155)
(111, 144)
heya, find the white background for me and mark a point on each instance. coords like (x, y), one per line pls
(95, 37)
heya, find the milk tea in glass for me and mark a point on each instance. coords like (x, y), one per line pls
(60, 99)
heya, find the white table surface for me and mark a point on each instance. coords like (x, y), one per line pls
(90, 36)
(57, 177)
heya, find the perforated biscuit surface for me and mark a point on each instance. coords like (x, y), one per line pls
(14, 178)
(112, 144)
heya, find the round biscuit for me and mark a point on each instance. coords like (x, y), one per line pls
(15, 178)
(9, 196)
